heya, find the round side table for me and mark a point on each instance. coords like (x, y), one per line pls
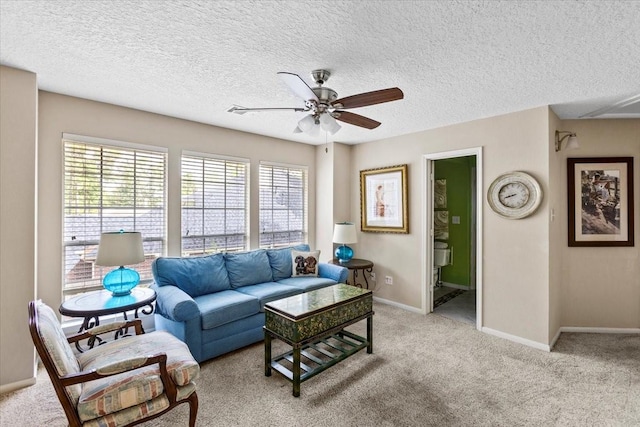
(92, 305)
(355, 265)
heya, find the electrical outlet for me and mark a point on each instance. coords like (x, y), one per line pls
(388, 280)
(372, 276)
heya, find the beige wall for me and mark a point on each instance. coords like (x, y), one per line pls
(325, 202)
(516, 253)
(18, 133)
(557, 226)
(601, 286)
(333, 171)
(60, 114)
(532, 282)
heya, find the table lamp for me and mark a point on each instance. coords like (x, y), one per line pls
(120, 248)
(343, 233)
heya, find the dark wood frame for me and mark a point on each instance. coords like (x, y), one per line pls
(575, 188)
(60, 382)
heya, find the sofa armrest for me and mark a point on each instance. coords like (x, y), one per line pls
(333, 272)
(174, 303)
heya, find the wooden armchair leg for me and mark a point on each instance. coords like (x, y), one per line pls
(193, 409)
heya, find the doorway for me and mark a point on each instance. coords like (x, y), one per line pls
(453, 207)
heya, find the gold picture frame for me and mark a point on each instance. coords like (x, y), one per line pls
(384, 200)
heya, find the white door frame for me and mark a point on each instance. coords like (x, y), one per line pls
(427, 225)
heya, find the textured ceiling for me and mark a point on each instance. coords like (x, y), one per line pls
(455, 60)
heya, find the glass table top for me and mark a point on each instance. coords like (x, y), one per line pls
(306, 303)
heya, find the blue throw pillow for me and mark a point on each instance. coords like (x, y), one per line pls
(280, 260)
(194, 275)
(248, 268)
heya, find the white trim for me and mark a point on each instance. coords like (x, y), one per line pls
(284, 165)
(215, 156)
(593, 330)
(105, 141)
(555, 339)
(397, 304)
(7, 388)
(427, 215)
(516, 339)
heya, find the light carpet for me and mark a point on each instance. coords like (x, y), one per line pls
(425, 371)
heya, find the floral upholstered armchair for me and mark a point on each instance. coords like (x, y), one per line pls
(120, 383)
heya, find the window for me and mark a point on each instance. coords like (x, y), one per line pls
(109, 186)
(214, 204)
(283, 205)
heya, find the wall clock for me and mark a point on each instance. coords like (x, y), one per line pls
(514, 195)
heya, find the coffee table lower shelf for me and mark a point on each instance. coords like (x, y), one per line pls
(320, 355)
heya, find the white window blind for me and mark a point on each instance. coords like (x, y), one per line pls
(283, 205)
(110, 188)
(214, 205)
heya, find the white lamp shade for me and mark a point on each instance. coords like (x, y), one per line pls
(572, 142)
(329, 124)
(344, 232)
(120, 248)
(307, 123)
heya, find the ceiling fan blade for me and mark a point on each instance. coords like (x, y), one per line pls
(369, 98)
(298, 86)
(241, 110)
(355, 119)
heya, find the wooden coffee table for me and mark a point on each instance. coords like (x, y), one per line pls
(313, 325)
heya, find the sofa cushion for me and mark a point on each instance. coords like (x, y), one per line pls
(280, 260)
(111, 394)
(307, 284)
(225, 306)
(271, 291)
(248, 268)
(304, 263)
(194, 275)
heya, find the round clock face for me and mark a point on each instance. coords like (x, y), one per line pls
(514, 195)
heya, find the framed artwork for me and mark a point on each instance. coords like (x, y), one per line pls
(440, 196)
(383, 200)
(600, 201)
(441, 225)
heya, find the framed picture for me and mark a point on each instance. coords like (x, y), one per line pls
(383, 200)
(600, 201)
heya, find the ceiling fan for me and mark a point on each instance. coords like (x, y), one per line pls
(323, 105)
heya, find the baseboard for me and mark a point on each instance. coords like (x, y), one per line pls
(555, 338)
(397, 304)
(516, 339)
(7, 388)
(592, 330)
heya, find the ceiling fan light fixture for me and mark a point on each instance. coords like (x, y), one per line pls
(329, 124)
(307, 123)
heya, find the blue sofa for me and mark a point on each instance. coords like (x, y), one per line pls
(215, 303)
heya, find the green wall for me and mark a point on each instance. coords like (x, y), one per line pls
(458, 173)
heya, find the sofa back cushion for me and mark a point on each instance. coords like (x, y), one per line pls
(248, 268)
(194, 275)
(280, 260)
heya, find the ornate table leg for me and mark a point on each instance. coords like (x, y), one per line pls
(267, 354)
(355, 278)
(296, 370)
(88, 323)
(370, 334)
(364, 273)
